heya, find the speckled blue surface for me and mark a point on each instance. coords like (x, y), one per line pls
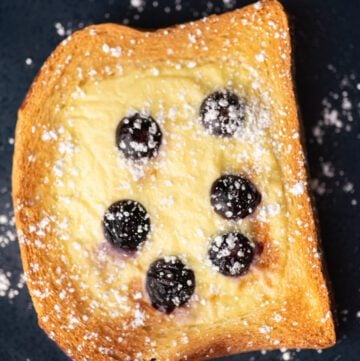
(327, 53)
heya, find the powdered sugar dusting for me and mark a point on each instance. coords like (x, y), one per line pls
(9, 288)
(136, 3)
(4, 283)
(286, 356)
(61, 30)
(298, 189)
(339, 109)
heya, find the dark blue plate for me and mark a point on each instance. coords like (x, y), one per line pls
(327, 58)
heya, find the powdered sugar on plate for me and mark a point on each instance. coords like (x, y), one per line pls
(340, 108)
(61, 30)
(11, 280)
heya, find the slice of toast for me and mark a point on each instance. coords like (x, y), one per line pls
(101, 297)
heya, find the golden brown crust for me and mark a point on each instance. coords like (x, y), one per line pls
(93, 339)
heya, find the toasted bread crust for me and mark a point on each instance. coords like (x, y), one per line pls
(54, 84)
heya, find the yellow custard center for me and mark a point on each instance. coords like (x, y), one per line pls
(174, 188)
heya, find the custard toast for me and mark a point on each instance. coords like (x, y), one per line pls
(161, 196)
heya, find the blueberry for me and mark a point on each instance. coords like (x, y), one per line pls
(231, 254)
(138, 137)
(169, 283)
(126, 224)
(234, 196)
(222, 113)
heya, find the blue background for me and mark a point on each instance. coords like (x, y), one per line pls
(326, 36)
